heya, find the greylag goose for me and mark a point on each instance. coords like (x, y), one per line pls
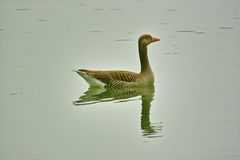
(119, 78)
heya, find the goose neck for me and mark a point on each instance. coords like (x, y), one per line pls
(145, 66)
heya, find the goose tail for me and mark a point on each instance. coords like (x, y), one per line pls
(93, 82)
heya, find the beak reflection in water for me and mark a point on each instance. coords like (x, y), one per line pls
(98, 95)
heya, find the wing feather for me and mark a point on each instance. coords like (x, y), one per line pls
(113, 76)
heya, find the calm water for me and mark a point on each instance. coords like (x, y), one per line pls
(47, 112)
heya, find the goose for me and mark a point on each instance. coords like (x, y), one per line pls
(120, 78)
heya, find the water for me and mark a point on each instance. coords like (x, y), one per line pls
(192, 112)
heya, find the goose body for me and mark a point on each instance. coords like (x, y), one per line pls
(120, 78)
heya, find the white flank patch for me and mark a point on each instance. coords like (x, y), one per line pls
(91, 81)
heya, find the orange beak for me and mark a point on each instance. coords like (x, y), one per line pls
(154, 39)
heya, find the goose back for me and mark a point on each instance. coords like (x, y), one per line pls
(112, 77)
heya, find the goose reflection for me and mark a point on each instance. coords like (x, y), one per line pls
(98, 95)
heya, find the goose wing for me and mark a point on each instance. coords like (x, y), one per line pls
(109, 77)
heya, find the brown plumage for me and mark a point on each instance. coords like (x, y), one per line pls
(119, 78)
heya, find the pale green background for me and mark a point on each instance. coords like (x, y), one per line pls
(196, 65)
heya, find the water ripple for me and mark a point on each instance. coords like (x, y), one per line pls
(187, 31)
(200, 32)
(23, 9)
(225, 27)
(116, 9)
(122, 40)
(98, 9)
(95, 31)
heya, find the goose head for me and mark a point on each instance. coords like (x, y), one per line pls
(147, 39)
